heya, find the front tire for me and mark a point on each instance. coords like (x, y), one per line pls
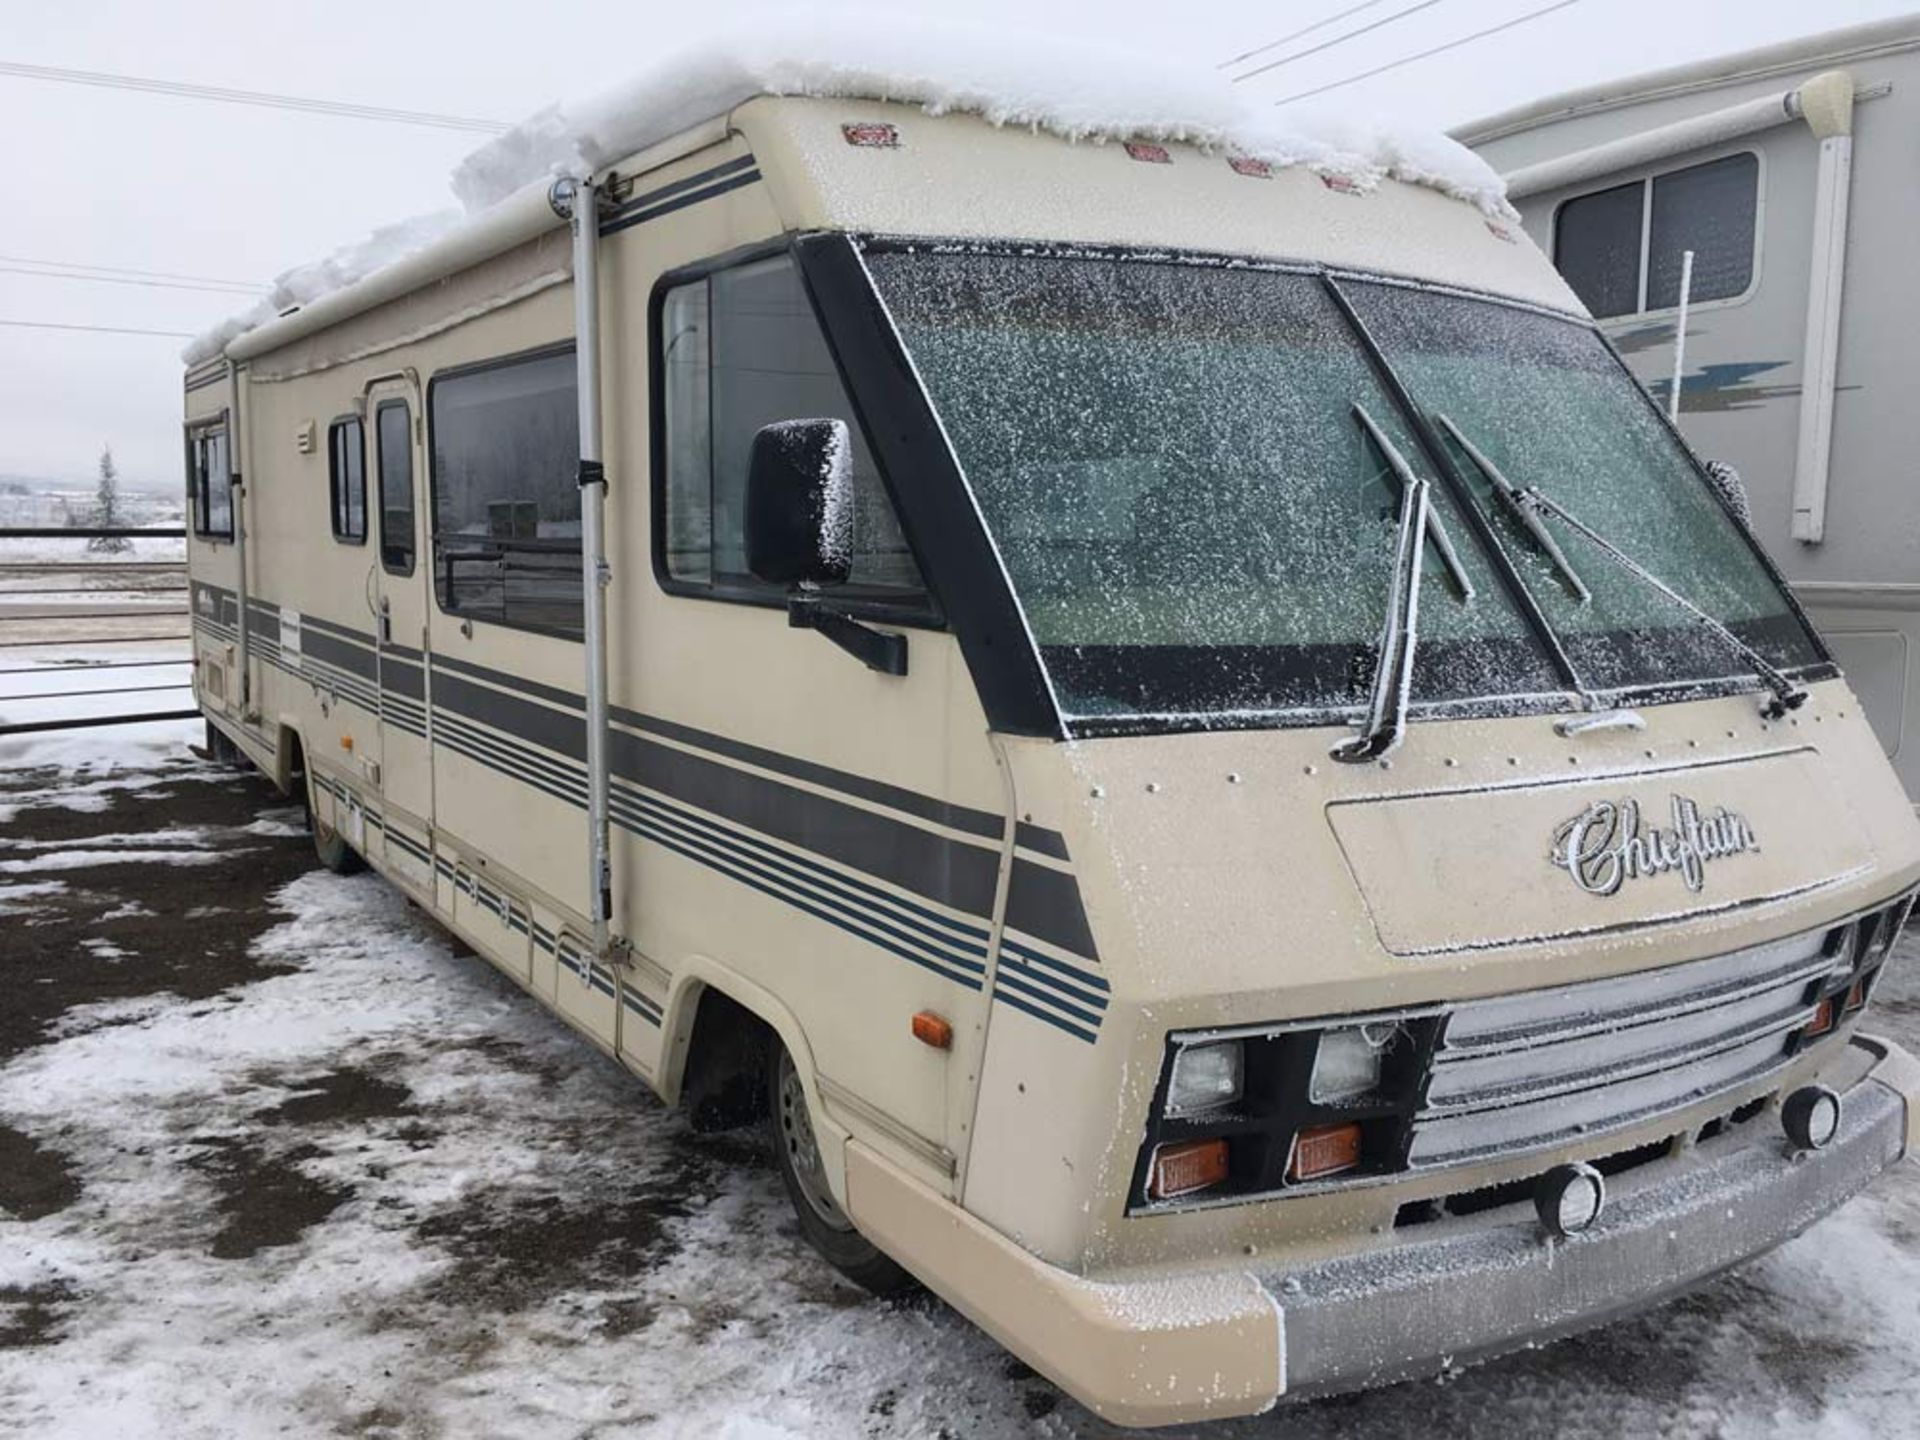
(822, 1221)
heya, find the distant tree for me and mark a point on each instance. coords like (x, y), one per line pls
(107, 514)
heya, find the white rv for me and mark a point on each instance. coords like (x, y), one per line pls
(1174, 721)
(1789, 173)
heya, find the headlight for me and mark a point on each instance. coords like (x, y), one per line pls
(1205, 1077)
(1349, 1062)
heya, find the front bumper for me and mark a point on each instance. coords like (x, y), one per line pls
(1166, 1350)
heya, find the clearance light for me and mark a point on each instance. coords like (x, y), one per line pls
(872, 135)
(1151, 154)
(1206, 1077)
(1324, 1150)
(934, 1030)
(1187, 1167)
(1569, 1199)
(1811, 1117)
(1341, 184)
(1250, 167)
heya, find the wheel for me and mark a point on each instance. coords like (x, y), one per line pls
(822, 1221)
(329, 844)
(220, 749)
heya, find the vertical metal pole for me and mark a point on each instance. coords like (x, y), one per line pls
(236, 495)
(1680, 335)
(582, 200)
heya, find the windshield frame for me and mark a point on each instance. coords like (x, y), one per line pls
(961, 558)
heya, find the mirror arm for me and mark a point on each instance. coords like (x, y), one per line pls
(876, 649)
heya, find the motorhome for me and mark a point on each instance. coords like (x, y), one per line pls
(1788, 172)
(1169, 717)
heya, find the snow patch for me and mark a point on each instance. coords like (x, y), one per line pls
(1078, 90)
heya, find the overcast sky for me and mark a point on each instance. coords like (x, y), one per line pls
(104, 177)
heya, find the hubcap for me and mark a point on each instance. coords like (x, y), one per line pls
(803, 1152)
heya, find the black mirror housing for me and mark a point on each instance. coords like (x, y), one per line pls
(799, 520)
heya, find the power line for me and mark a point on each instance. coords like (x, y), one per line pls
(1337, 40)
(97, 329)
(128, 270)
(1307, 30)
(1426, 54)
(128, 280)
(263, 98)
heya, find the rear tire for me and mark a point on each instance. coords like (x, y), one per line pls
(328, 843)
(220, 749)
(822, 1221)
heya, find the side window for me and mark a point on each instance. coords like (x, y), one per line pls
(393, 430)
(347, 480)
(210, 482)
(1596, 245)
(505, 461)
(1622, 249)
(1709, 209)
(741, 349)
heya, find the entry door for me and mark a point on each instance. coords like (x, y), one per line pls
(400, 624)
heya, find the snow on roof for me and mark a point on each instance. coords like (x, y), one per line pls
(1080, 91)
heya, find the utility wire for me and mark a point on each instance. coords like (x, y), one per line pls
(1306, 30)
(249, 97)
(1426, 54)
(128, 270)
(1337, 40)
(97, 329)
(129, 280)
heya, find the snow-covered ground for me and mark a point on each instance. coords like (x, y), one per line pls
(275, 1161)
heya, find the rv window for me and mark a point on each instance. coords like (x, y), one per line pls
(347, 480)
(741, 349)
(1621, 249)
(505, 461)
(1596, 244)
(210, 484)
(1708, 209)
(393, 428)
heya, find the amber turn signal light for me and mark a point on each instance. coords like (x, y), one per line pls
(930, 1029)
(1191, 1165)
(1324, 1150)
(1822, 1020)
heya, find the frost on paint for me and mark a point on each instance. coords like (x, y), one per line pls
(1079, 91)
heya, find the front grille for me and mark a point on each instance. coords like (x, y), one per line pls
(1521, 1072)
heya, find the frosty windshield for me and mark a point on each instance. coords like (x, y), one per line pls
(1546, 404)
(1199, 528)
(1169, 458)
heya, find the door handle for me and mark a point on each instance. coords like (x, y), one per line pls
(386, 621)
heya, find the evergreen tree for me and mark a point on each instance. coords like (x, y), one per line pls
(107, 514)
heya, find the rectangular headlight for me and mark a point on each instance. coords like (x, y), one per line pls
(1349, 1062)
(1205, 1077)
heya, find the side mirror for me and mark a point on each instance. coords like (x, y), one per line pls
(799, 521)
(1732, 489)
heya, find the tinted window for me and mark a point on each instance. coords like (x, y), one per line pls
(347, 480)
(739, 350)
(210, 484)
(393, 424)
(1596, 244)
(506, 496)
(1708, 209)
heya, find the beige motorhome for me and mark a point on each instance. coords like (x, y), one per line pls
(1177, 724)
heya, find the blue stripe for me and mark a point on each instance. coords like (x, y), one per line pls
(1003, 981)
(1053, 1020)
(797, 880)
(1082, 992)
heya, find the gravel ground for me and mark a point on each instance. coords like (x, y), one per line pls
(275, 1161)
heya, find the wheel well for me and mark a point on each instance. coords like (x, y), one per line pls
(723, 1086)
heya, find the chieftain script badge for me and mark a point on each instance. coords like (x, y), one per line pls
(1610, 843)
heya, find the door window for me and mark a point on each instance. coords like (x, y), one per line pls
(393, 426)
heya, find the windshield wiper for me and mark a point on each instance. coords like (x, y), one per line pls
(1435, 530)
(1524, 513)
(1393, 675)
(1786, 695)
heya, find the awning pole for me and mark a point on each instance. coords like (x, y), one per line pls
(578, 200)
